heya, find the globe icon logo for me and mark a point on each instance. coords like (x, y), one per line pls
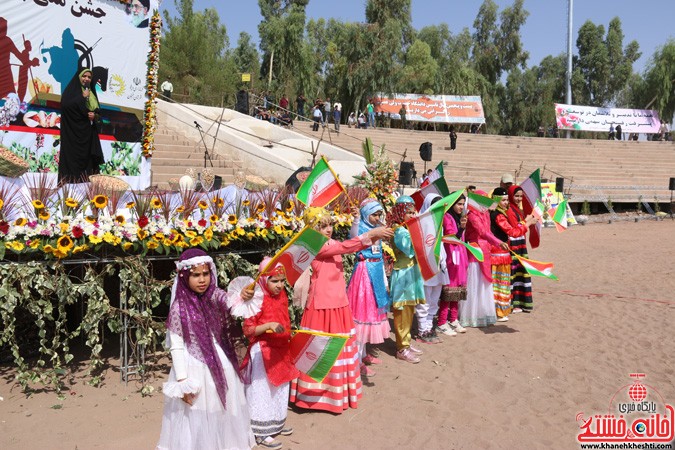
(640, 427)
(637, 392)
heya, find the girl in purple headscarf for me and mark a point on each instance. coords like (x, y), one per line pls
(205, 405)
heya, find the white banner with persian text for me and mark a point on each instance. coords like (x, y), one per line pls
(593, 118)
(43, 43)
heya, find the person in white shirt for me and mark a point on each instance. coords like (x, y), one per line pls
(167, 88)
(337, 115)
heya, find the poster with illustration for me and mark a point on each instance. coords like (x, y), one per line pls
(43, 44)
(550, 198)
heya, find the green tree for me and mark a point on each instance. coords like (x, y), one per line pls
(245, 56)
(420, 69)
(658, 89)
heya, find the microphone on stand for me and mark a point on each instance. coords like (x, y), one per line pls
(196, 124)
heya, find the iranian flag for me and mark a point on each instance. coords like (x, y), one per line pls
(314, 353)
(538, 211)
(537, 268)
(532, 194)
(425, 234)
(434, 175)
(298, 254)
(438, 186)
(479, 203)
(559, 216)
(473, 248)
(321, 186)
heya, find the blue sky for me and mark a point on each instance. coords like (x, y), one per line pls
(544, 33)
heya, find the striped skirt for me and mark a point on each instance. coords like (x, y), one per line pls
(521, 284)
(501, 283)
(342, 388)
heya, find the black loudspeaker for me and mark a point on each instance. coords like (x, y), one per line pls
(559, 184)
(425, 151)
(294, 182)
(217, 183)
(242, 102)
(405, 172)
(671, 186)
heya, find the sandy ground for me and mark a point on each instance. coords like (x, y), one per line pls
(518, 384)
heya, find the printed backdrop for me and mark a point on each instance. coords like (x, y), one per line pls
(432, 108)
(43, 43)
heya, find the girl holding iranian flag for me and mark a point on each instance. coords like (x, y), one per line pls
(327, 310)
(521, 283)
(268, 364)
(479, 308)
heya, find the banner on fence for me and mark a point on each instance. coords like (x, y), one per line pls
(594, 118)
(42, 45)
(432, 108)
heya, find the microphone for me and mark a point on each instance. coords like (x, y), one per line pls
(196, 124)
(86, 87)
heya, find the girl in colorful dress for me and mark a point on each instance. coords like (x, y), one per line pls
(367, 289)
(407, 286)
(268, 329)
(521, 284)
(204, 400)
(327, 310)
(479, 308)
(501, 259)
(425, 312)
(454, 223)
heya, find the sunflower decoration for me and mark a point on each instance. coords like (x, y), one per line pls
(156, 203)
(202, 204)
(120, 220)
(44, 215)
(232, 219)
(99, 201)
(2, 203)
(38, 205)
(20, 222)
(64, 244)
(213, 218)
(72, 203)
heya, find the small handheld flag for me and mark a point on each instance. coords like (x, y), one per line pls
(537, 268)
(321, 186)
(298, 253)
(479, 203)
(314, 353)
(473, 248)
(559, 216)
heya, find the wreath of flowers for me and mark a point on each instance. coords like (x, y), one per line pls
(150, 110)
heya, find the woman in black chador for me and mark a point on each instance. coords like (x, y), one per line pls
(81, 153)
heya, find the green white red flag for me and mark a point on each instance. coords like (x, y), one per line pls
(538, 211)
(314, 353)
(479, 203)
(434, 175)
(321, 186)
(425, 234)
(559, 216)
(472, 247)
(537, 268)
(438, 186)
(298, 253)
(532, 193)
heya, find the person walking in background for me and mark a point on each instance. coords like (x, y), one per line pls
(453, 138)
(167, 88)
(617, 132)
(337, 115)
(610, 136)
(283, 103)
(317, 117)
(327, 111)
(402, 112)
(370, 108)
(300, 101)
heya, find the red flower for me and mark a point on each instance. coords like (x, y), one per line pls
(4, 227)
(77, 232)
(268, 224)
(202, 222)
(142, 221)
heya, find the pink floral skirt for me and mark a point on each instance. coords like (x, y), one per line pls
(371, 326)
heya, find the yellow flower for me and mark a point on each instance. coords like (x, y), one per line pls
(152, 245)
(213, 218)
(2, 203)
(202, 205)
(196, 241)
(80, 248)
(250, 235)
(63, 227)
(290, 206)
(34, 244)
(71, 202)
(224, 242)
(120, 220)
(232, 219)
(167, 242)
(100, 201)
(15, 245)
(278, 229)
(219, 202)
(263, 232)
(90, 219)
(245, 203)
(131, 205)
(190, 234)
(44, 215)
(64, 243)
(260, 208)
(109, 237)
(142, 234)
(95, 239)
(208, 234)
(240, 231)
(48, 249)
(156, 203)
(37, 204)
(180, 209)
(59, 253)
(126, 246)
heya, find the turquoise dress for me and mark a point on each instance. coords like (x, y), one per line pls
(407, 285)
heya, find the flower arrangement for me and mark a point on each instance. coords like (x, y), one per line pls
(67, 223)
(150, 110)
(380, 179)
